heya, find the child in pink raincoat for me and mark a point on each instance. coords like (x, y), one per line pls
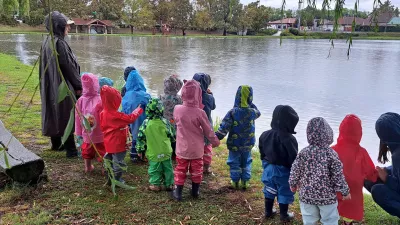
(89, 106)
(192, 126)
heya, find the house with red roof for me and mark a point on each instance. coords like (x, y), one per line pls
(92, 26)
(282, 24)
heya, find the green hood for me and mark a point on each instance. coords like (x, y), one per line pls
(154, 109)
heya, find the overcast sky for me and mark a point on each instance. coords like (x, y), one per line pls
(365, 5)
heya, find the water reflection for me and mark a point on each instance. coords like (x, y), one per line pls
(297, 73)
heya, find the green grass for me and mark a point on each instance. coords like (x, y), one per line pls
(71, 196)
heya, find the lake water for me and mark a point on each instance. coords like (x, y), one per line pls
(297, 73)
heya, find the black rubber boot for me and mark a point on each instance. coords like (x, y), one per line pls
(195, 190)
(269, 206)
(56, 144)
(70, 147)
(177, 193)
(285, 216)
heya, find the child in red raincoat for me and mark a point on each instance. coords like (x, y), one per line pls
(114, 125)
(357, 167)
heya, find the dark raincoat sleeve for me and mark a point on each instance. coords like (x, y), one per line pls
(393, 179)
(292, 148)
(68, 65)
(212, 101)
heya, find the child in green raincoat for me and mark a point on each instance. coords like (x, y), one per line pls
(154, 138)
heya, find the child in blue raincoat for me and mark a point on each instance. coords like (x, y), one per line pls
(135, 95)
(239, 123)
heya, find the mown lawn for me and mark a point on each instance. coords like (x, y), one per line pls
(70, 196)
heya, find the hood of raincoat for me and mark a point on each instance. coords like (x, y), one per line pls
(106, 81)
(90, 84)
(154, 109)
(284, 118)
(388, 130)
(191, 94)
(59, 22)
(172, 85)
(110, 98)
(319, 133)
(244, 97)
(127, 71)
(350, 130)
(203, 79)
(135, 82)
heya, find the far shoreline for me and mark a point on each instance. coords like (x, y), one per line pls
(4, 30)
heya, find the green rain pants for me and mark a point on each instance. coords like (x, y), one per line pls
(161, 173)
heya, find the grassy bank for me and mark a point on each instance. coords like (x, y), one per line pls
(70, 196)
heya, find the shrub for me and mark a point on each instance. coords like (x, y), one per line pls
(36, 18)
(8, 20)
(294, 31)
(267, 32)
(286, 33)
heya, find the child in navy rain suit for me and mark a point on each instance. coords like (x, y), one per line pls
(278, 150)
(209, 105)
(239, 123)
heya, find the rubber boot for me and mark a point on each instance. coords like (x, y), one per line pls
(269, 205)
(177, 193)
(195, 190)
(285, 216)
(234, 185)
(70, 147)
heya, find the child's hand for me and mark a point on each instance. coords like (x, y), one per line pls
(382, 173)
(347, 197)
(293, 189)
(209, 91)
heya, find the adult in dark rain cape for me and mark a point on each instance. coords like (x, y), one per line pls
(55, 115)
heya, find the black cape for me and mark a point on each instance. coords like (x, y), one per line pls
(55, 115)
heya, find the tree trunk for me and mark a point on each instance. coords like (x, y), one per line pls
(131, 29)
(224, 33)
(183, 32)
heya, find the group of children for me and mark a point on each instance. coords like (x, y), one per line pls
(329, 179)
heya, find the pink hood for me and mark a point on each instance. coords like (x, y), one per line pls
(192, 124)
(90, 106)
(191, 94)
(90, 84)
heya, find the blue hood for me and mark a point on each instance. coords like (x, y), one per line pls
(244, 97)
(135, 82)
(388, 130)
(203, 79)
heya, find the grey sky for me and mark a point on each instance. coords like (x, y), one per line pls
(365, 5)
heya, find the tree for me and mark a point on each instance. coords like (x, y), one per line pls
(242, 20)
(161, 10)
(182, 13)
(10, 7)
(259, 15)
(106, 9)
(203, 20)
(24, 8)
(139, 14)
